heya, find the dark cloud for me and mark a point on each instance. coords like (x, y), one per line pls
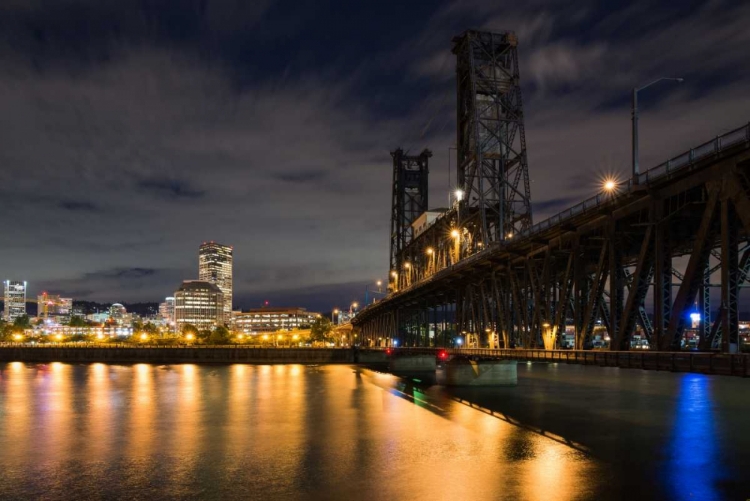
(75, 205)
(555, 204)
(254, 124)
(170, 188)
(123, 273)
(301, 177)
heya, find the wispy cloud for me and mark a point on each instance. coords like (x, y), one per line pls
(170, 188)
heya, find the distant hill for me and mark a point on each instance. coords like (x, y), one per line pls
(143, 309)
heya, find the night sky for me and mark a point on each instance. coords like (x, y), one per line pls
(132, 131)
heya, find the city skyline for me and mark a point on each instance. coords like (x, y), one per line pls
(163, 130)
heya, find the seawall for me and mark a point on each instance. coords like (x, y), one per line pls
(171, 354)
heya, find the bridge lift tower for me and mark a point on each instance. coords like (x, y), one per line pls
(493, 171)
(410, 199)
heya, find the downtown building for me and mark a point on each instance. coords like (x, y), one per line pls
(14, 299)
(166, 312)
(215, 267)
(272, 319)
(53, 308)
(199, 303)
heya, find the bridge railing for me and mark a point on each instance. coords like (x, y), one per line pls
(679, 361)
(667, 168)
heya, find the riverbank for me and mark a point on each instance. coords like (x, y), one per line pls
(176, 354)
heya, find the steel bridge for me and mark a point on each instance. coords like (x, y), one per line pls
(482, 272)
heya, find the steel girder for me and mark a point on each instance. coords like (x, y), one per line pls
(491, 141)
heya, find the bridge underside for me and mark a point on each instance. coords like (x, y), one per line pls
(602, 271)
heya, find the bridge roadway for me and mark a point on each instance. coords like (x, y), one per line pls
(592, 266)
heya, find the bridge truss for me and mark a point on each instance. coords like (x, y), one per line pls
(492, 172)
(409, 199)
(605, 264)
(481, 272)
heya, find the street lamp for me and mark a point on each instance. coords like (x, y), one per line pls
(636, 171)
(609, 185)
(334, 312)
(379, 283)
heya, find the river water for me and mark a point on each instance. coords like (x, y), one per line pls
(96, 431)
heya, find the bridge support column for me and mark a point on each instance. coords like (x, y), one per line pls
(481, 373)
(729, 282)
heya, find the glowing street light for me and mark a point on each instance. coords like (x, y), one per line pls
(144, 337)
(609, 185)
(459, 194)
(407, 265)
(456, 234)
(190, 337)
(430, 251)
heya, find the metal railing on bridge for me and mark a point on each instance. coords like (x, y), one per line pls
(672, 166)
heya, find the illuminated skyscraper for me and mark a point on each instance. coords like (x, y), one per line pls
(215, 266)
(14, 299)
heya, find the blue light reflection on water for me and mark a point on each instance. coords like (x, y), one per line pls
(692, 463)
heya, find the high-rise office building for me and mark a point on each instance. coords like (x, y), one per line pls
(14, 299)
(215, 266)
(198, 303)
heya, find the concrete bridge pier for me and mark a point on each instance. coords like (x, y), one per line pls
(463, 372)
(409, 364)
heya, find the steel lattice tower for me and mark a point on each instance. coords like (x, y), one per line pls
(410, 193)
(492, 166)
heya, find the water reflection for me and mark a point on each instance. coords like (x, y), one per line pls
(334, 432)
(100, 415)
(693, 467)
